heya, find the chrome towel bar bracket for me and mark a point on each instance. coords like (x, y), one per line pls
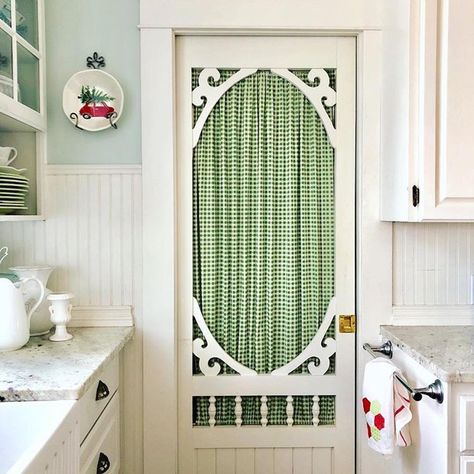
(433, 390)
(385, 349)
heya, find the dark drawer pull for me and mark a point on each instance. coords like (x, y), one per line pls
(103, 464)
(102, 391)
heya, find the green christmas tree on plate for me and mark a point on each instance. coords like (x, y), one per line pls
(93, 95)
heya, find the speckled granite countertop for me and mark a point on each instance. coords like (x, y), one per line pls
(45, 370)
(446, 351)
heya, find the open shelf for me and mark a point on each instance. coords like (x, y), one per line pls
(30, 145)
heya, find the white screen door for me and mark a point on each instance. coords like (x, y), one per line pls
(266, 258)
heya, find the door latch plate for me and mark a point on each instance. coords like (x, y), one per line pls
(347, 323)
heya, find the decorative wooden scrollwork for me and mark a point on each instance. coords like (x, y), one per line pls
(320, 347)
(210, 349)
(320, 95)
(212, 94)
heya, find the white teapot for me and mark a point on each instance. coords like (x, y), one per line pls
(14, 321)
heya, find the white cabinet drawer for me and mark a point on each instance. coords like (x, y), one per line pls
(100, 452)
(98, 396)
(466, 465)
(466, 423)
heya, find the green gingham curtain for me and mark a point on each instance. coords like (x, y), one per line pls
(263, 233)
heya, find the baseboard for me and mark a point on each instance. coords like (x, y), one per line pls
(63, 170)
(100, 316)
(433, 315)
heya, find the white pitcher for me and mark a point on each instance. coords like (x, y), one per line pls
(14, 321)
(40, 319)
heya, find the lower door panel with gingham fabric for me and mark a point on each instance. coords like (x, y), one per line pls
(265, 169)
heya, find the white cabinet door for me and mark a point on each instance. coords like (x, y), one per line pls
(447, 187)
(467, 465)
(431, 152)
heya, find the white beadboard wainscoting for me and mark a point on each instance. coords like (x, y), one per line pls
(433, 268)
(93, 236)
(264, 461)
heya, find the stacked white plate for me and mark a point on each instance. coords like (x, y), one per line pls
(13, 189)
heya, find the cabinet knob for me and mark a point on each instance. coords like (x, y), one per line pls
(102, 391)
(103, 463)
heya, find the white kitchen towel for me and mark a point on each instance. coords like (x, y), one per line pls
(386, 405)
(402, 413)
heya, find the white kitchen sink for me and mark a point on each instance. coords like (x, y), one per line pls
(25, 429)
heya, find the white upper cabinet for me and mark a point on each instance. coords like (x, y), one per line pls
(428, 113)
(22, 62)
(23, 104)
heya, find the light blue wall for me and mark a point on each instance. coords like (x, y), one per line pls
(74, 30)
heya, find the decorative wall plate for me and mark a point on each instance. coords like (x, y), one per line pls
(93, 100)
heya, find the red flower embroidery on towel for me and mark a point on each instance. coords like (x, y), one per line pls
(375, 420)
(379, 421)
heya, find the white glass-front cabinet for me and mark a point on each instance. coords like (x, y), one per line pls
(22, 96)
(428, 113)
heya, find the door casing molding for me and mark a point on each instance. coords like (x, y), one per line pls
(373, 237)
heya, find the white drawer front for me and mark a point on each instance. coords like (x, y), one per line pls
(466, 423)
(467, 465)
(98, 396)
(100, 452)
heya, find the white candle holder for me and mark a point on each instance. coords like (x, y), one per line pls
(60, 311)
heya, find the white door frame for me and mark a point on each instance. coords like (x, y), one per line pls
(373, 246)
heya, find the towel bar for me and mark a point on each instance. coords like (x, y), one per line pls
(433, 390)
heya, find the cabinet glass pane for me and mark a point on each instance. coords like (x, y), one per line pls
(6, 69)
(27, 20)
(6, 11)
(28, 78)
